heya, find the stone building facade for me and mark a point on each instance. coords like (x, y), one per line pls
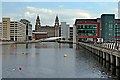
(52, 31)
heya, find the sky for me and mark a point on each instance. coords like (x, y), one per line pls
(59, 0)
(66, 11)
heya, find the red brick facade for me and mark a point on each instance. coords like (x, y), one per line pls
(39, 36)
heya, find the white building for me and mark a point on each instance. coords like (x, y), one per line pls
(65, 30)
(17, 31)
(0, 30)
(28, 28)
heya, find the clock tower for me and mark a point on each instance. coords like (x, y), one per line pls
(56, 26)
(37, 25)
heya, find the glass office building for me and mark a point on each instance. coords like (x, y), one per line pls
(87, 29)
(108, 27)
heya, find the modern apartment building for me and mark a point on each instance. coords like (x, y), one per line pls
(108, 27)
(17, 31)
(65, 30)
(28, 28)
(5, 28)
(87, 29)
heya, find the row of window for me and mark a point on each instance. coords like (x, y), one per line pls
(86, 34)
(87, 31)
(13, 22)
(87, 26)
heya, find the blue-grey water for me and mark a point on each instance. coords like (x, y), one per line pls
(46, 60)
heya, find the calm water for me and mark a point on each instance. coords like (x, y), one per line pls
(46, 60)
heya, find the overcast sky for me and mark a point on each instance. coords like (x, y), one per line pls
(66, 11)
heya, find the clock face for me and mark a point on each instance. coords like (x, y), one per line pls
(56, 24)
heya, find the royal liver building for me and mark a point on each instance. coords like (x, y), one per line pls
(52, 31)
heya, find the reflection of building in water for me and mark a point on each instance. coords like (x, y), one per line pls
(6, 52)
(70, 45)
(28, 45)
(14, 47)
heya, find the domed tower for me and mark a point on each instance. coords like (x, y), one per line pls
(37, 25)
(56, 26)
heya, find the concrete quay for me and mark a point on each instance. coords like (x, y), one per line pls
(108, 57)
(22, 42)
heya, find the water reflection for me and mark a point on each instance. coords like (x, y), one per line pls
(46, 60)
(0, 61)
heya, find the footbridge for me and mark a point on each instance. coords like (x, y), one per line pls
(49, 39)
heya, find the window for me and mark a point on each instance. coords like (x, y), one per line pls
(85, 26)
(81, 26)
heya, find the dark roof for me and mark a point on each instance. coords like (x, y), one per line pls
(47, 26)
(83, 20)
(117, 19)
(24, 20)
(108, 15)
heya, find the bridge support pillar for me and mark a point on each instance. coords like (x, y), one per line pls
(104, 56)
(104, 59)
(108, 65)
(90, 49)
(96, 51)
(111, 59)
(113, 64)
(107, 57)
(101, 54)
(101, 57)
(118, 67)
(117, 62)
(93, 50)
